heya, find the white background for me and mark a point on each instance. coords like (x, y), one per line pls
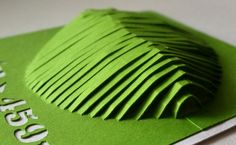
(215, 17)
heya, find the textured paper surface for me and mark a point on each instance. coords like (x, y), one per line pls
(138, 67)
(64, 127)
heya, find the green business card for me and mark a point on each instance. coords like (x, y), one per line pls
(114, 77)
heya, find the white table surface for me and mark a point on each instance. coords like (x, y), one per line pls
(215, 17)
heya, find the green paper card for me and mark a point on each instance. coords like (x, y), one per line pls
(114, 77)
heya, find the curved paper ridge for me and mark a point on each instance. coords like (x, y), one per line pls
(118, 64)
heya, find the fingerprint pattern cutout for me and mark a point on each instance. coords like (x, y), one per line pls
(124, 65)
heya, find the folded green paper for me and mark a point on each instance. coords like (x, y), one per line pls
(119, 65)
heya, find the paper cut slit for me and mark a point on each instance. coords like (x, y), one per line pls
(117, 78)
(118, 71)
(125, 65)
(102, 81)
(127, 84)
(191, 103)
(89, 68)
(75, 85)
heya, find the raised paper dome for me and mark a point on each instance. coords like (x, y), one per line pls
(118, 64)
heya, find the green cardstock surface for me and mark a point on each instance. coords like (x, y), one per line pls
(62, 127)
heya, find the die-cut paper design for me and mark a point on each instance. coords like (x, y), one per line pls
(119, 64)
